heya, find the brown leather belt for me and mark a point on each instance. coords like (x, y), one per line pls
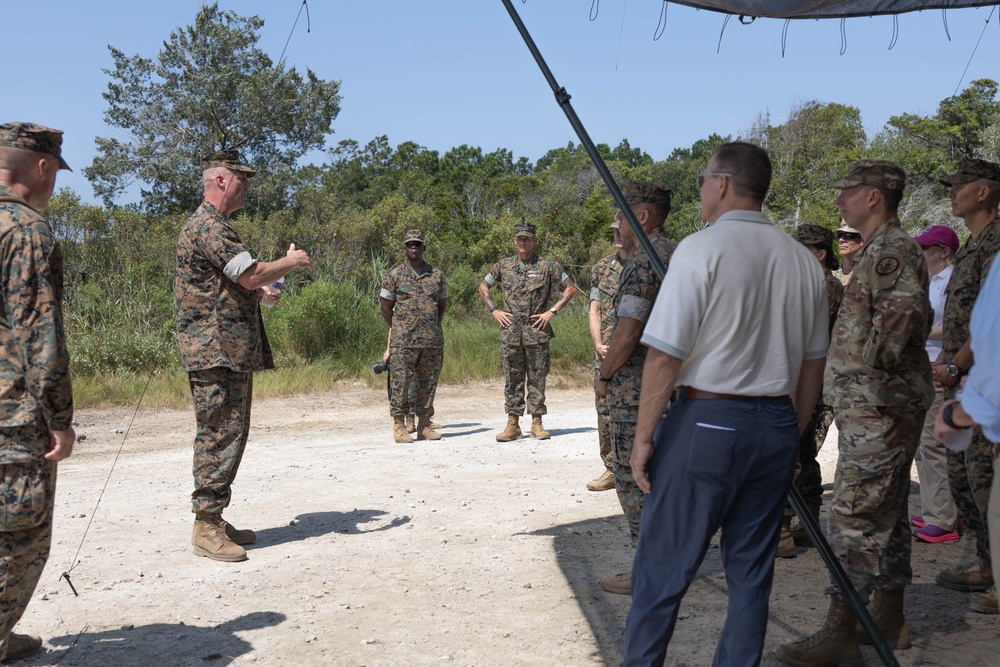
(699, 394)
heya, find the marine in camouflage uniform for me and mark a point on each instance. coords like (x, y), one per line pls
(36, 412)
(970, 473)
(222, 342)
(620, 373)
(530, 285)
(604, 279)
(878, 382)
(413, 299)
(808, 476)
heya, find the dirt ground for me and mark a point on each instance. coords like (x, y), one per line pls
(461, 552)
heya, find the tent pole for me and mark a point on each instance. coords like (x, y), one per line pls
(812, 528)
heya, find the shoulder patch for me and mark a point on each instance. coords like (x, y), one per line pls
(887, 266)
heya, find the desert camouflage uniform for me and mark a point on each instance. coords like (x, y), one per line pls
(222, 343)
(35, 396)
(604, 279)
(808, 477)
(416, 348)
(970, 473)
(634, 299)
(529, 288)
(878, 382)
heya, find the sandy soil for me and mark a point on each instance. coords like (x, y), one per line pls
(462, 551)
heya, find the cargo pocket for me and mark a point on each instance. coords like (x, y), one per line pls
(710, 452)
(25, 489)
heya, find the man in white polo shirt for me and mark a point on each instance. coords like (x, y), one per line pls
(740, 326)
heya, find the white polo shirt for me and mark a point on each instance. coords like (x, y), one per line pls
(742, 306)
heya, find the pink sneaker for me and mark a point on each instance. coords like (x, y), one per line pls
(917, 520)
(934, 535)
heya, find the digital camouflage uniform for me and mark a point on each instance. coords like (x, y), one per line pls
(970, 473)
(416, 348)
(529, 288)
(808, 476)
(604, 279)
(878, 382)
(222, 343)
(634, 299)
(35, 396)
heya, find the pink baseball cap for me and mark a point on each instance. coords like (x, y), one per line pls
(939, 235)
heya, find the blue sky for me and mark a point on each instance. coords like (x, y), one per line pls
(451, 72)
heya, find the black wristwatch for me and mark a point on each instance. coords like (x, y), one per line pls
(946, 417)
(492, 308)
(954, 370)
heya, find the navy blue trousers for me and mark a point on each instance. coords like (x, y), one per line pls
(718, 464)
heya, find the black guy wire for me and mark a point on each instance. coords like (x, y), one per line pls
(784, 36)
(968, 64)
(621, 31)
(944, 19)
(75, 562)
(895, 31)
(718, 47)
(305, 5)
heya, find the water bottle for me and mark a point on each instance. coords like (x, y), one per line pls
(957, 441)
(269, 301)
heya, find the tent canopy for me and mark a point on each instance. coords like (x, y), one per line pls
(825, 9)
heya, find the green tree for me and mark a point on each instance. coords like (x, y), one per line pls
(209, 88)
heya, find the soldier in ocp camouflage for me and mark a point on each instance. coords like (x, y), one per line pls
(413, 299)
(36, 410)
(530, 285)
(220, 332)
(878, 383)
(975, 191)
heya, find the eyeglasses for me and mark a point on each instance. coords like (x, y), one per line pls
(413, 244)
(701, 177)
(848, 236)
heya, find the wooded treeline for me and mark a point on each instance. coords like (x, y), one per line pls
(350, 212)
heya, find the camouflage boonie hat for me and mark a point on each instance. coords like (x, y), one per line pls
(814, 235)
(33, 137)
(971, 169)
(228, 158)
(524, 229)
(413, 235)
(877, 173)
(647, 192)
(844, 227)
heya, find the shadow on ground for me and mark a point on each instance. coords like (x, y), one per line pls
(314, 524)
(156, 644)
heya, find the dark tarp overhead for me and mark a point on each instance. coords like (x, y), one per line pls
(826, 9)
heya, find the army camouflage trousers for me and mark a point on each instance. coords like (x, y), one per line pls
(808, 477)
(415, 372)
(869, 527)
(222, 399)
(970, 474)
(25, 536)
(523, 364)
(604, 429)
(630, 495)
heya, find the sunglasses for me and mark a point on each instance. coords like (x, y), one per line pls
(848, 236)
(413, 244)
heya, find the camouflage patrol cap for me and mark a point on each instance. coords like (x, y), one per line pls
(413, 235)
(814, 235)
(971, 169)
(877, 173)
(524, 228)
(228, 158)
(33, 137)
(647, 192)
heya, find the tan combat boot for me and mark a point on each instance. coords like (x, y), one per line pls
(399, 432)
(605, 482)
(238, 536)
(537, 430)
(411, 423)
(209, 539)
(424, 430)
(800, 535)
(835, 645)
(887, 612)
(21, 646)
(786, 544)
(512, 432)
(620, 584)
